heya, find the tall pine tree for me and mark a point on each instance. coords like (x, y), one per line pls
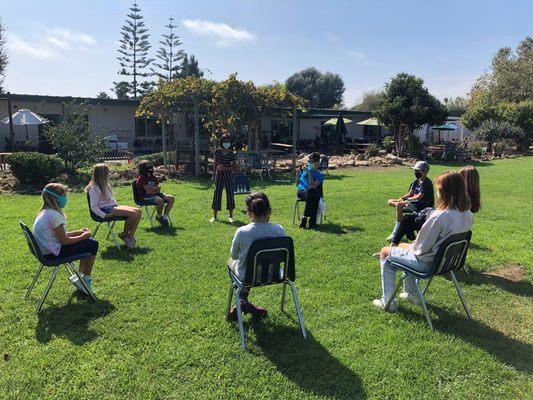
(133, 50)
(3, 56)
(169, 54)
(189, 67)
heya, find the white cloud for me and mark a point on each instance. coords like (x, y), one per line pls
(52, 40)
(357, 55)
(223, 34)
(70, 37)
(17, 45)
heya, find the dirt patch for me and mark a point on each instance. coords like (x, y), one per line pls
(513, 273)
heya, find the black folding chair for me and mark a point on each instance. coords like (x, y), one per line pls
(324, 164)
(241, 185)
(110, 223)
(268, 262)
(450, 257)
(144, 205)
(68, 262)
(260, 165)
(321, 216)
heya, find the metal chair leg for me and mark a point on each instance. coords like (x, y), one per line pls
(239, 316)
(149, 216)
(110, 229)
(424, 305)
(427, 286)
(48, 287)
(230, 297)
(35, 277)
(294, 212)
(298, 311)
(96, 229)
(283, 295)
(400, 281)
(460, 293)
(83, 283)
(467, 270)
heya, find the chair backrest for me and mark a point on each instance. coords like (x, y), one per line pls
(241, 184)
(94, 217)
(270, 261)
(255, 161)
(135, 192)
(324, 163)
(32, 243)
(451, 255)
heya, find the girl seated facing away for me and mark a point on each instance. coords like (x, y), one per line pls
(411, 223)
(149, 191)
(105, 206)
(53, 239)
(452, 216)
(259, 212)
(310, 181)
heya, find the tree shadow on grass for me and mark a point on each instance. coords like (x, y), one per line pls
(124, 254)
(307, 363)
(508, 350)
(71, 321)
(338, 229)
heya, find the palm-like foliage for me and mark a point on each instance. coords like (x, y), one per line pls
(169, 54)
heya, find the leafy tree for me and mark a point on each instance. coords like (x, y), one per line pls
(73, 139)
(133, 50)
(169, 54)
(371, 101)
(321, 90)
(456, 106)
(406, 106)
(122, 90)
(189, 67)
(3, 56)
(492, 131)
(102, 95)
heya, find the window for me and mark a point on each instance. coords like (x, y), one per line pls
(280, 131)
(146, 127)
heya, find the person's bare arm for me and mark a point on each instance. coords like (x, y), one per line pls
(77, 233)
(406, 196)
(65, 239)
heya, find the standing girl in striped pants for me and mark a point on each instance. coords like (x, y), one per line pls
(224, 169)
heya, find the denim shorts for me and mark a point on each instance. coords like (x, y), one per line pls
(150, 198)
(107, 209)
(408, 258)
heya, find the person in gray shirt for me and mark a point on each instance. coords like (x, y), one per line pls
(259, 211)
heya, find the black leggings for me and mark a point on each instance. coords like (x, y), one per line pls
(312, 198)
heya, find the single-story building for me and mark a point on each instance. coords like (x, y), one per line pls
(117, 117)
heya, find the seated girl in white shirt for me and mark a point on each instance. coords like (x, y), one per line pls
(259, 212)
(452, 216)
(105, 206)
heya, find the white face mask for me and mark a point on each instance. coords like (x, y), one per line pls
(226, 145)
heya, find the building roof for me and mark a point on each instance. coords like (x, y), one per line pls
(37, 98)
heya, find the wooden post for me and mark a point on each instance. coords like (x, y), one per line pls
(10, 114)
(294, 133)
(196, 139)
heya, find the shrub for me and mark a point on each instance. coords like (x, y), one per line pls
(34, 168)
(495, 131)
(371, 150)
(156, 158)
(475, 148)
(388, 143)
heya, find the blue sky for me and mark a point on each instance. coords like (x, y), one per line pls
(68, 47)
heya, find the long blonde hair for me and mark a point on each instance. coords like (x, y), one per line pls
(100, 178)
(471, 176)
(451, 187)
(49, 200)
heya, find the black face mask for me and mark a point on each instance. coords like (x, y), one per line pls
(418, 174)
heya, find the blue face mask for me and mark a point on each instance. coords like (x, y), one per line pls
(61, 199)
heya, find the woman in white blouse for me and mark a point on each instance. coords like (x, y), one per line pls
(451, 216)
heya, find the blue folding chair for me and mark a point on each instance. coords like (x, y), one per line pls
(260, 165)
(68, 262)
(450, 257)
(146, 206)
(268, 262)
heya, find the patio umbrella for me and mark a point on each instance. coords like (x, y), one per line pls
(25, 117)
(333, 121)
(340, 129)
(370, 122)
(444, 127)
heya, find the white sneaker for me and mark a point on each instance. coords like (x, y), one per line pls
(380, 304)
(390, 237)
(231, 220)
(376, 255)
(411, 297)
(214, 219)
(76, 282)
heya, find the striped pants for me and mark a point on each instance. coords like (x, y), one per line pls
(223, 179)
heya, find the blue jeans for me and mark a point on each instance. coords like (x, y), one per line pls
(388, 272)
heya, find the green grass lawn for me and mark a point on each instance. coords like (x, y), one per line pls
(158, 329)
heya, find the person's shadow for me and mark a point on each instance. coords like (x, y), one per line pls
(508, 350)
(307, 363)
(338, 229)
(124, 254)
(71, 320)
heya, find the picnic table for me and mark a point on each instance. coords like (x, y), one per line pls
(282, 146)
